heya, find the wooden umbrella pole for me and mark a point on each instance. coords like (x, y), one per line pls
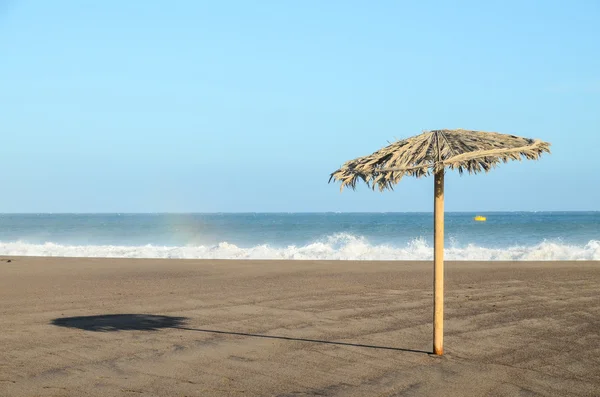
(438, 264)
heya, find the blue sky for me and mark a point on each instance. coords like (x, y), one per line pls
(154, 106)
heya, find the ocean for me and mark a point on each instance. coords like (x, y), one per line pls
(346, 236)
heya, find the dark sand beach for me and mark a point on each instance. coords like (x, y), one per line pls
(126, 327)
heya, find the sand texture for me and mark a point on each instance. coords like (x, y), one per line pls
(295, 328)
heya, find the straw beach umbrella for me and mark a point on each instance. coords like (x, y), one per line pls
(431, 153)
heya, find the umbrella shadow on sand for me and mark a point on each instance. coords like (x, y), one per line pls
(151, 322)
(120, 322)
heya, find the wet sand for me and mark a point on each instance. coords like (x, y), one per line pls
(295, 328)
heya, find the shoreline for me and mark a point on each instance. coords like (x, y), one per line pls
(461, 263)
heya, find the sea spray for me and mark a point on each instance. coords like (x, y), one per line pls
(340, 246)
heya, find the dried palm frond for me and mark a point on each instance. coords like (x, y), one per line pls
(431, 151)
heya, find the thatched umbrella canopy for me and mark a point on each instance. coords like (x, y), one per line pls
(430, 153)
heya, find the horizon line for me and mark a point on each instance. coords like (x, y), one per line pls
(283, 212)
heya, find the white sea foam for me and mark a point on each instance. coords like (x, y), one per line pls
(339, 246)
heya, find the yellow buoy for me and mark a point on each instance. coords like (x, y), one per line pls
(480, 218)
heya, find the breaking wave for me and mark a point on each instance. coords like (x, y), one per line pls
(339, 246)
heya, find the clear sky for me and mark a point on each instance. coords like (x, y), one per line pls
(204, 106)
